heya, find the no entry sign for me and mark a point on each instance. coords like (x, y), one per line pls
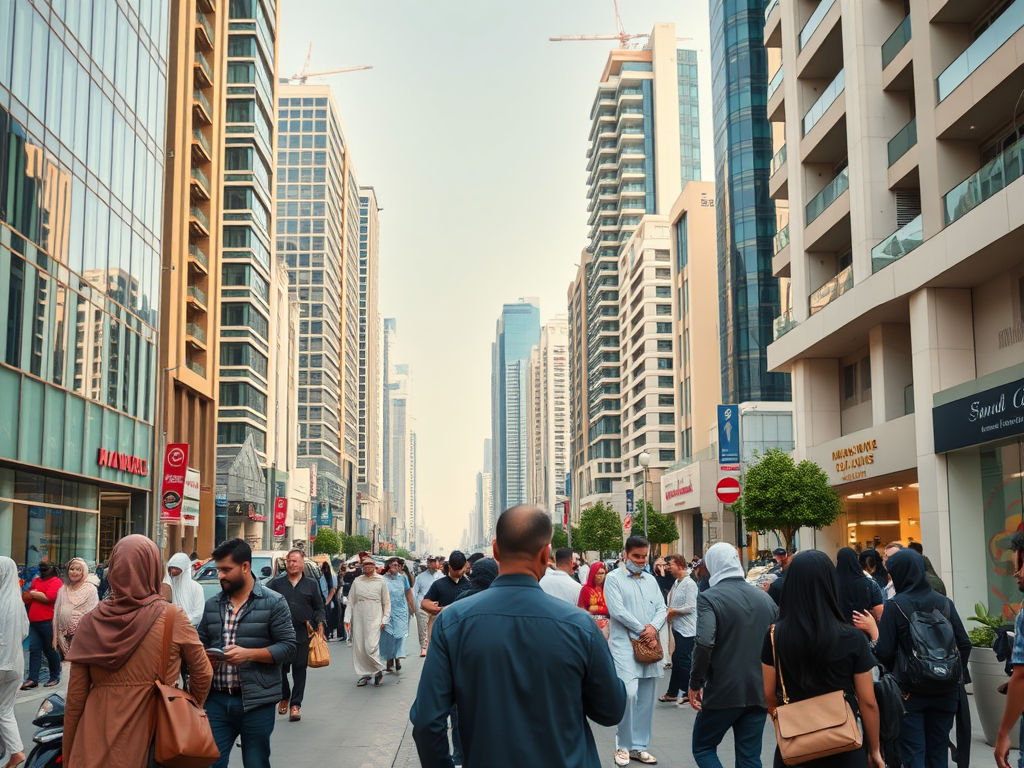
(728, 490)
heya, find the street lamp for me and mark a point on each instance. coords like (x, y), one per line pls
(645, 460)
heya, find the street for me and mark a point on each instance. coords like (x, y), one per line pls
(369, 727)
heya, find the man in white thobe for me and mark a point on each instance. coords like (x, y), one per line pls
(637, 611)
(419, 591)
(559, 582)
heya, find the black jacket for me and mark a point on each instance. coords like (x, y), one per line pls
(305, 601)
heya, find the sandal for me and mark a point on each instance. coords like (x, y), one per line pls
(51, 683)
(398, 665)
(377, 678)
(667, 698)
(363, 681)
(29, 685)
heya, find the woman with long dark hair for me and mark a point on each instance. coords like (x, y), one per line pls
(818, 652)
(857, 592)
(871, 564)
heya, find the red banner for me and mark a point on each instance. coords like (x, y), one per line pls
(280, 515)
(173, 485)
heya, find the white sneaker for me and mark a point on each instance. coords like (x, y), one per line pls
(621, 757)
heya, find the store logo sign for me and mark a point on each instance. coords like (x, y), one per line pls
(994, 414)
(123, 462)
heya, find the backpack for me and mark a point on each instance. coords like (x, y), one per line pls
(932, 665)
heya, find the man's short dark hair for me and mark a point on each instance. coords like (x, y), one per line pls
(563, 556)
(457, 560)
(431, 559)
(237, 549)
(1017, 542)
(916, 546)
(678, 560)
(523, 530)
(636, 542)
(475, 557)
(294, 550)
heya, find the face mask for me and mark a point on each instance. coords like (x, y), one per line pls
(633, 567)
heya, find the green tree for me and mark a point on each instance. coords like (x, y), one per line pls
(328, 541)
(779, 495)
(561, 539)
(353, 545)
(403, 553)
(600, 529)
(661, 529)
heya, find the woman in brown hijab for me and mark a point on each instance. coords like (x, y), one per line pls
(108, 722)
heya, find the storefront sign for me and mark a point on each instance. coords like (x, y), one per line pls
(123, 462)
(990, 415)
(850, 460)
(280, 515)
(190, 502)
(172, 487)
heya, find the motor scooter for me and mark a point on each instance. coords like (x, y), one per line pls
(49, 739)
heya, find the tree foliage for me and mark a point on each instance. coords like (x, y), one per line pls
(779, 495)
(600, 529)
(404, 553)
(661, 529)
(328, 541)
(561, 538)
(353, 545)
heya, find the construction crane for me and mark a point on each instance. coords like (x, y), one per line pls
(300, 78)
(621, 35)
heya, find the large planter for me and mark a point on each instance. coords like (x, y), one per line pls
(987, 674)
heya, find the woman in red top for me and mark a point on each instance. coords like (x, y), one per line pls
(592, 596)
(40, 599)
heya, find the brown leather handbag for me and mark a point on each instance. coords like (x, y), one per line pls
(813, 728)
(183, 738)
(319, 654)
(644, 654)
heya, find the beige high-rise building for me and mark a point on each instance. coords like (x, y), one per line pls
(370, 469)
(189, 322)
(899, 152)
(548, 394)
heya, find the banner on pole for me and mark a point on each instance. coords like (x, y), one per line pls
(172, 487)
(280, 515)
(190, 502)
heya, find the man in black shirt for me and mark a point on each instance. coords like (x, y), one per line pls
(307, 605)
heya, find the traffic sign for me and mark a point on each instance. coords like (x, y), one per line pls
(728, 490)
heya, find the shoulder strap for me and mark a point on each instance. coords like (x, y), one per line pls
(778, 669)
(165, 655)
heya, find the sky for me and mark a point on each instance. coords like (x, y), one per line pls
(472, 128)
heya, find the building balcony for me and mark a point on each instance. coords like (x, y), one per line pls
(901, 143)
(831, 290)
(206, 6)
(197, 259)
(781, 240)
(773, 25)
(821, 201)
(783, 324)
(201, 109)
(202, 72)
(827, 216)
(975, 90)
(826, 100)
(807, 33)
(200, 184)
(777, 97)
(781, 259)
(201, 149)
(198, 222)
(195, 335)
(897, 42)
(778, 180)
(197, 297)
(897, 245)
(204, 31)
(196, 368)
(996, 175)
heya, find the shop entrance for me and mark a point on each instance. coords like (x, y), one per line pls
(114, 519)
(881, 510)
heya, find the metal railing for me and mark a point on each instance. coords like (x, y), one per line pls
(197, 95)
(204, 142)
(831, 290)
(198, 294)
(981, 185)
(897, 42)
(988, 42)
(196, 252)
(828, 195)
(781, 239)
(901, 143)
(783, 324)
(201, 178)
(826, 100)
(778, 161)
(200, 217)
(897, 245)
(776, 81)
(815, 21)
(195, 332)
(202, 61)
(196, 367)
(205, 24)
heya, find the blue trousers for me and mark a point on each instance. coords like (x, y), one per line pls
(40, 641)
(924, 732)
(228, 721)
(634, 731)
(710, 727)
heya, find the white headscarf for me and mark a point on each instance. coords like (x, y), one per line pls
(13, 619)
(723, 562)
(186, 594)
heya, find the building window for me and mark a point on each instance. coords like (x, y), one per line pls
(682, 245)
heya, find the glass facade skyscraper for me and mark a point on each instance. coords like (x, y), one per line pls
(749, 297)
(82, 114)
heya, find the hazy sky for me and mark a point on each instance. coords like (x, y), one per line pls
(473, 129)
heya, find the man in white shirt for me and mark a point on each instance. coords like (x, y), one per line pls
(419, 591)
(584, 571)
(559, 582)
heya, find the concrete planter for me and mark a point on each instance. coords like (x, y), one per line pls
(987, 674)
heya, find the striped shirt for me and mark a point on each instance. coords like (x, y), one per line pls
(225, 676)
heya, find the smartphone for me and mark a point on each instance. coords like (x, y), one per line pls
(217, 653)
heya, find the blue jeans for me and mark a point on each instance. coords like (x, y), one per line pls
(679, 681)
(710, 727)
(228, 721)
(40, 641)
(924, 732)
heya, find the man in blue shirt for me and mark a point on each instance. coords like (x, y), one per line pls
(547, 661)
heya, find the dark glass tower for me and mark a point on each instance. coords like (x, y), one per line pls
(748, 293)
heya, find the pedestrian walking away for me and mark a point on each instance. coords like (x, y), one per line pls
(117, 653)
(13, 631)
(726, 680)
(560, 582)
(248, 635)
(40, 598)
(392, 640)
(815, 651)
(305, 603)
(369, 603)
(419, 591)
(485, 649)
(185, 593)
(331, 599)
(637, 611)
(857, 592)
(74, 600)
(682, 618)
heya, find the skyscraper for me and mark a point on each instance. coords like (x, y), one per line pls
(748, 292)
(389, 340)
(548, 450)
(401, 467)
(518, 329)
(369, 476)
(484, 508)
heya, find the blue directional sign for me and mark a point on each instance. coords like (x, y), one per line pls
(728, 434)
(629, 502)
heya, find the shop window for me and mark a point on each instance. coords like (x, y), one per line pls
(856, 383)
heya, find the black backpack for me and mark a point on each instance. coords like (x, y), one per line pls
(932, 664)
